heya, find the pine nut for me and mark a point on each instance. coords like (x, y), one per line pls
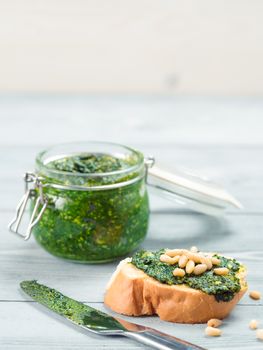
(190, 266)
(221, 271)
(207, 261)
(196, 258)
(253, 324)
(176, 258)
(178, 272)
(199, 269)
(213, 332)
(182, 261)
(194, 249)
(214, 322)
(168, 260)
(260, 334)
(254, 294)
(174, 252)
(190, 255)
(209, 264)
(165, 258)
(215, 261)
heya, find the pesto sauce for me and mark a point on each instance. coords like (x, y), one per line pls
(73, 310)
(222, 287)
(89, 163)
(93, 226)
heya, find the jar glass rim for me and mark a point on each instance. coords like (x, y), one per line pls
(41, 162)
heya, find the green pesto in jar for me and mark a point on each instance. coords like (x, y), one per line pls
(93, 225)
(223, 288)
(89, 163)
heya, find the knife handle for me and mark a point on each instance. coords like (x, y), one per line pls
(161, 341)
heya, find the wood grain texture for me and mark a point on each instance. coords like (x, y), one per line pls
(41, 120)
(218, 137)
(50, 331)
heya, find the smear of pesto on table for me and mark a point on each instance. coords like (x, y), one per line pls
(223, 288)
(93, 226)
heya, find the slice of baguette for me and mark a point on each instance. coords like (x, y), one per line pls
(131, 292)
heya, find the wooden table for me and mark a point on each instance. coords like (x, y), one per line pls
(219, 137)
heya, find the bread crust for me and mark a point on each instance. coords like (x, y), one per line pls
(132, 292)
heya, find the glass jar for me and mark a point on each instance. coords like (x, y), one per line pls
(99, 215)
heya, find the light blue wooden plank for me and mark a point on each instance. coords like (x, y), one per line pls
(29, 327)
(148, 120)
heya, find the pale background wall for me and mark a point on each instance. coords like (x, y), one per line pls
(132, 46)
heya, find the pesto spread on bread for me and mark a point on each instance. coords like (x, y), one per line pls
(209, 272)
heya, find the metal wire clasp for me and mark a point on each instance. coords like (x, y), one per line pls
(32, 182)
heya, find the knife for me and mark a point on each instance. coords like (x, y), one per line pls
(99, 322)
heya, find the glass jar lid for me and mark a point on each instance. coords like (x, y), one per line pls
(191, 190)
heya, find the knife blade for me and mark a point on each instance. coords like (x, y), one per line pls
(99, 322)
